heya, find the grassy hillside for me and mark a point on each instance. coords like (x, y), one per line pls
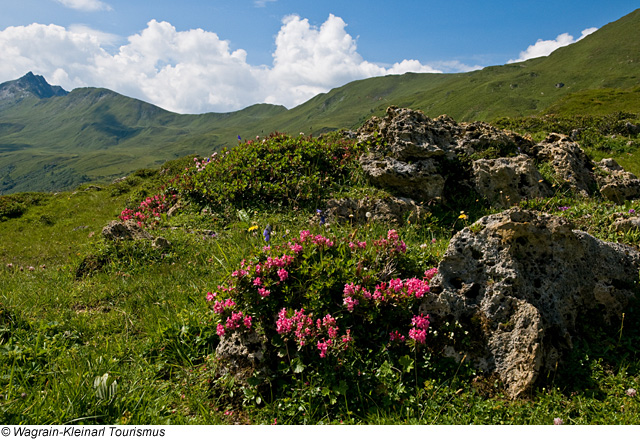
(96, 135)
(101, 332)
(602, 62)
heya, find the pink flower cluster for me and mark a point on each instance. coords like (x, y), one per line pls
(392, 242)
(149, 209)
(295, 247)
(419, 327)
(283, 274)
(319, 240)
(304, 330)
(430, 273)
(281, 262)
(300, 324)
(358, 245)
(219, 307)
(394, 291)
(239, 273)
(234, 318)
(395, 336)
(201, 165)
(274, 270)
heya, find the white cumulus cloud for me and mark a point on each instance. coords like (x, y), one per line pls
(193, 71)
(104, 38)
(309, 60)
(86, 5)
(543, 48)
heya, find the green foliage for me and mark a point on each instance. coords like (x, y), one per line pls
(276, 172)
(332, 310)
(612, 135)
(585, 128)
(144, 323)
(130, 339)
(14, 206)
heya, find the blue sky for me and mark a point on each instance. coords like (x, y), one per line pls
(194, 56)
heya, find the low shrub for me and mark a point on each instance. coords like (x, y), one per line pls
(278, 171)
(340, 312)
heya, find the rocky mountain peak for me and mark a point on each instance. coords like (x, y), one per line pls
(27, 86)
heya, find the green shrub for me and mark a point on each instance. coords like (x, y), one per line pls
(14, 205)
(279, 171)
(340, 319)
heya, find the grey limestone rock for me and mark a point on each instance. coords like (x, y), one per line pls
(129, 230)
(616, 184)
(569, 162)
(412, 155)
(388, 209)
(419, 180)
(241, 353)
(528, 277)
(627, 224)
(507, 180)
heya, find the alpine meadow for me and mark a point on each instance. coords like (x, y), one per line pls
(408, 249)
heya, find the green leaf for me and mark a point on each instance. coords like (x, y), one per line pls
(341, 388)
(406, 362)
(384, 370)
(297, 365)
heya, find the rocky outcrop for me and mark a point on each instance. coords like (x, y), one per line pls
(507, 180)
(409, 153)
(388, 209)
(420, 180)
(569, 162)
(130, 230)
(627, 224)
(240, 353)
(412, 155)
(523, 279)
(615, 183)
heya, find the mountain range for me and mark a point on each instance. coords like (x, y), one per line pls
(52, 140)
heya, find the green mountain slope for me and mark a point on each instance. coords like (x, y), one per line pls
(54, 140)
(607, 59)
(96, 134)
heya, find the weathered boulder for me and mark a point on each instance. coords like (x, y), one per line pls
(240, 353)
(627, 224)
(615, 183)
(411, 135)
(161, 243)
(570, 163)
(524, 279)
(412, 155)
(388, 209)
(418, 180)
(507, 180)
(479, 137)
(129, 230)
